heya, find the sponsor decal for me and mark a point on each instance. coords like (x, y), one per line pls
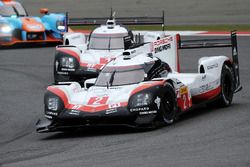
(163, 41)
(183, 90)
(148, 112)
(111, 111)
(209, 86)
(158, 102)
(74, 112)
(114, 105)
(67, 69)
(184, 98)
(35, 27)
(212, 66)
(91, 69)
(162, 44)
(162, 48)
(139, 109)
(62, 73)
(52, 113)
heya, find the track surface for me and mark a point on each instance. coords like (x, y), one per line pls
(204, 137)
(177, 12)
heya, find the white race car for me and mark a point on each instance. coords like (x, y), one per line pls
(143, 87)
(78, 60)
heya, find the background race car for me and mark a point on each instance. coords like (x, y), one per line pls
(79, 58)
(17, 27)
(143, 87)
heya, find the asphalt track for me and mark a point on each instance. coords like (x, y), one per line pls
(204, 137)
(177, 12)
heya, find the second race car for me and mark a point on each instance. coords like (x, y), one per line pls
(79, 59)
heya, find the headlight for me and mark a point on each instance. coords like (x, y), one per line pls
(141, 99)
(60, 25)
(67, 62)
(53, 103)
(5, 29)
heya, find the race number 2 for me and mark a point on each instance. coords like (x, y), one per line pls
(98, 100)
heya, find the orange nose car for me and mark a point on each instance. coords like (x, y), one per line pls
(17, 27)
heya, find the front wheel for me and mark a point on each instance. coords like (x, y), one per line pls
(168, 105)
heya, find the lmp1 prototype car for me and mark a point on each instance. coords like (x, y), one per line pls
(144, 88)
(77, 60)
(17, 27)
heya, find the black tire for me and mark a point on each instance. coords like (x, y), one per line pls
(227, 87)
(168, 105)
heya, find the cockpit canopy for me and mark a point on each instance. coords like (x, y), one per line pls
(106, 41)
(118, 76)
(127, 75)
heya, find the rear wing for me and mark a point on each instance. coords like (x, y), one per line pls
(119, 20)
(217, 43)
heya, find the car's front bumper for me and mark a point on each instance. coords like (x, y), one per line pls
(78, 119)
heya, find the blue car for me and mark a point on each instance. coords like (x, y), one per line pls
(17, 27)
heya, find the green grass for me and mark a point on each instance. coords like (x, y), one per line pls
(181, 27)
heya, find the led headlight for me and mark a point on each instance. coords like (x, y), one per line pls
(53, 103)
(141, 99)
(60, 25)
(5, 29)
(67, 62)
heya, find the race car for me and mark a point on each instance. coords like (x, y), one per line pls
(17, 27)
(79, 59)
(144, 88)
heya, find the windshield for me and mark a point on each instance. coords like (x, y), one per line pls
(101, 42)
(117, 76)
(12, 10)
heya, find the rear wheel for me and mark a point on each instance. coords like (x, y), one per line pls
(227, 87)
(168, 105)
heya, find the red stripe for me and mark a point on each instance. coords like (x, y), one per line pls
(60, 94)
(69, 52)
(147, 85)
(208, 95)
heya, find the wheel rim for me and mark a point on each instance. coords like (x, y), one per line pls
(227, 87)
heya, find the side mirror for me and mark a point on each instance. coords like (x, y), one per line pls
(89, 82)
(44, 11)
